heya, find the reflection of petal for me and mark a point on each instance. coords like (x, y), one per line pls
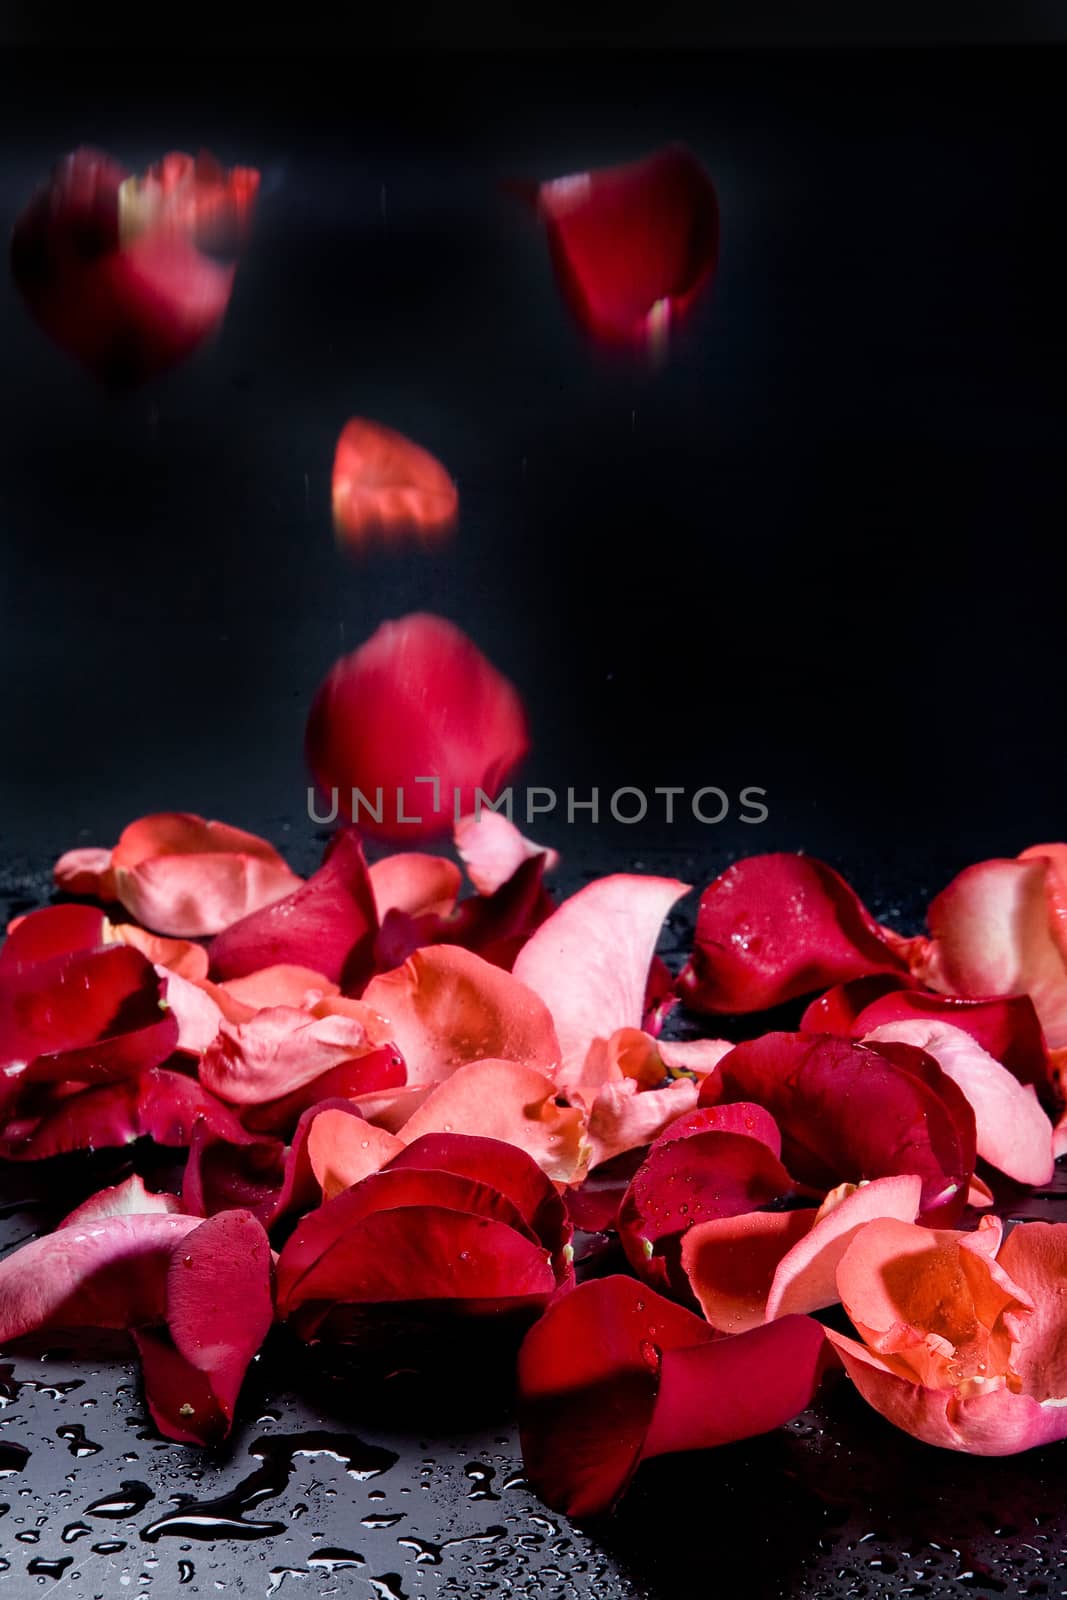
(634, 245)
(385, 486)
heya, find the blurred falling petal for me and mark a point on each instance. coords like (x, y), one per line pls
(633, 246)
(112, 267)
(386, 487)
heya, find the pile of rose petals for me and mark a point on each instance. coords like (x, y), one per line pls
(402, 1107)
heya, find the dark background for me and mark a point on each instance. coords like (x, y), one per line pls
(820, 550)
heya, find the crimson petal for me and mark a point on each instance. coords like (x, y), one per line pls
(633, 245)
(774, 927)
(328, 924)
(849, 1112)
(417, 701)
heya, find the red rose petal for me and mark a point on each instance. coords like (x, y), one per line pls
(849, 1113)
(589, 1375)
(774, 927)
(327, 924)
(633, 245)
(506, 1168)
(590, 961)
(386, 487)
(417, 700)
(689, 1178)
(127, 304)
(53, 931)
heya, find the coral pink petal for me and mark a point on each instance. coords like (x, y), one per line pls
(1013, 1133)
(1055, 887)
(386, 487)
(281, 985)
(417, 701)
(418, 885)
(623, 1116)
(343, 1149)
(992, 934)
(446, 1006)
(731, 1262)
(492, 849)
(506, 1101)
(590, 961)
(86, 871)
(327, 924)
(589, 1374)
(281, 1049)
(775, 927)
(186, 877)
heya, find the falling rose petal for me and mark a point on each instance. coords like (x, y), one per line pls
(52, 931)
(129, 1198)
(774, 927)
(700, 1174)
(110, 1274)
(492, 849)
(417, 701)
(590, 961)
(386, 487)
(343, 1149)
(633, 245)
(994, 931)
(184, 877)
(848, 1113)
(503, 1100)
(446, 1006)
(219, 1309)
(157, 1104)
(1013, 1133)
(327, 924)
(416, 884)
(125, 296)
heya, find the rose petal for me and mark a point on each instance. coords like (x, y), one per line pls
(495, 926)
(633, 245)
(503, 1100)
(86, 871)
(1013, 1133)
(624, 1117)
(847, 1112)
(774, 927)
(702, 1172)
(183, 876)
(378, 1071)
(219, 1309)
(416, 884)
(387, 487)
(110, 1273)
(1034, 1255)
(731, 1262)
(588, 1379)
(992, 933)
(446, 1006)
(590, 961)
(129, 1198)
(417, 700)
(52, 931)
(343, 1149)
(281, 985)
(327, 924)
(278, 1051)
(492, 849)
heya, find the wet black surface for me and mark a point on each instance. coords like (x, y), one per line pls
(820, 551)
